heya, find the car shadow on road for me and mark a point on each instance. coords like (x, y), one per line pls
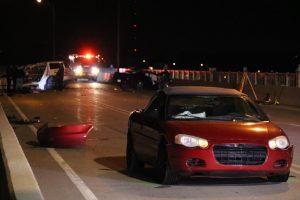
(34, 144)
(118, 163)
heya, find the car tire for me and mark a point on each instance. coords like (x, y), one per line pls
(132, 162)
(279, 178)
(164, 173)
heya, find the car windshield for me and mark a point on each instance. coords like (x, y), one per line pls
(223, 108)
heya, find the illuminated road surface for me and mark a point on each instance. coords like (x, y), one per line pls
(97, 170)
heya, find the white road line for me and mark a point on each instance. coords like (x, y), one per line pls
(296, 166)
(77, 181)
(295, 171)
(120, 110)
(289, 124)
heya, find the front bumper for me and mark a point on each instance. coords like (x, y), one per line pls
(86, 73)
(84, 76)
(209, 166)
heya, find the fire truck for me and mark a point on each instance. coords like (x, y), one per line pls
(85, 66)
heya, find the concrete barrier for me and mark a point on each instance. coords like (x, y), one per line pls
(21, 181)
(4, 192)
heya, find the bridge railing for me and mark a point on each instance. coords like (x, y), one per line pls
(257, 78)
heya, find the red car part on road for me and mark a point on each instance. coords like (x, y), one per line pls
(64, 136)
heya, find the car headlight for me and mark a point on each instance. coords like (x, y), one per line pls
(191, 141)
(280, 142)
(78, 70)
(95, 70)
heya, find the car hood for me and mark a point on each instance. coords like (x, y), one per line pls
(225, 131)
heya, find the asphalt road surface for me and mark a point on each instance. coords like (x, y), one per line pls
(97, 170)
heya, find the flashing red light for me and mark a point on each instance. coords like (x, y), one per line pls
(88, 56)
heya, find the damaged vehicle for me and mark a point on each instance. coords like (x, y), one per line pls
(131, 79)
(43, 76)
(204, 131)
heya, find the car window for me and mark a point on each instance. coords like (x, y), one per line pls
(35, 73)
(156, 104)
(255, 107)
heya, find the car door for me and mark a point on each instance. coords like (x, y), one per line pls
(151, 127)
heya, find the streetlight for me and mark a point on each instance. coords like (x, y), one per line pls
(118, 32)
(52, 5)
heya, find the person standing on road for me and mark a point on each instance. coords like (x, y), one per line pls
(60, 79)
(20, 76)
(11, 76)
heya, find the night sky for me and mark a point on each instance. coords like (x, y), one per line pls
(228, 34)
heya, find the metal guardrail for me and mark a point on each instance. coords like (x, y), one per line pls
(257, 78)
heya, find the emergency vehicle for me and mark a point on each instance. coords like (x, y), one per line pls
(85, 66)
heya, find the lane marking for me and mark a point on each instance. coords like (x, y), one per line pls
(119, 110)
(288, 124)
(295, 171)
(296, 166)
(76, 180)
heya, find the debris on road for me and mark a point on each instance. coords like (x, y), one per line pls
(14, 120)
(63, 136)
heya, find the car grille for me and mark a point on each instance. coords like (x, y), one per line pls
(240, 154)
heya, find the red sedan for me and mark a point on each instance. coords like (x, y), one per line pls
(206, 131)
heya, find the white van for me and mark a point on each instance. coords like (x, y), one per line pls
(42, 76)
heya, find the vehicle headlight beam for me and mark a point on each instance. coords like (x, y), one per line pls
(190, 141)
(78, 70)
(95, 71)
(280, 142)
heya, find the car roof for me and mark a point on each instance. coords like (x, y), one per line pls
(201, 90)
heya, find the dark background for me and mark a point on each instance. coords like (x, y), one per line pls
(224, 34)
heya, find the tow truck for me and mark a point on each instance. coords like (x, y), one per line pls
(85, 66)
